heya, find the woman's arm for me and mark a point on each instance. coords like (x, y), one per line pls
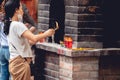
(32, 29)
(35, 38)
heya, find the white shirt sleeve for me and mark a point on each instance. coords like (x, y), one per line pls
(20, 29)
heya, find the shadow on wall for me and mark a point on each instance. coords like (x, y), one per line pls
(57, 13)
(39, 64)
(112, 23)
(109, 67)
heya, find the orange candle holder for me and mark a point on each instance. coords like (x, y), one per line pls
(68, 41)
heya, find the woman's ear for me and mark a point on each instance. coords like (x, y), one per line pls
(16, 10)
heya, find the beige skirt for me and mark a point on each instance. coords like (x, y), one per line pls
(19, 69)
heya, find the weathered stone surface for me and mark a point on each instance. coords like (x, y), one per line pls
(84, 17)
(44, 1)
(109, 67)
(65, 78)
(43, 13)
(77, 15)
(66, 73)
(75, 65)
(83, 70)
(85, 75)
(85, 38)
(83, 31)
(51, 73)
(43, 7)
(47, 77)
(42, 26)
(51, 66)
(84, 24)
(71, 2)
(117, 77)
(77, 44)
(43, 20)
(68, 52)
(72, 9)
(68, 60)
(83, 9)
(83, 21)
(52, 58)
(83, 2)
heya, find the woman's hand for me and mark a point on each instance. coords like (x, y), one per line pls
(49, 32)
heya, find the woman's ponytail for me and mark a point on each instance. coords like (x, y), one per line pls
(7, 22)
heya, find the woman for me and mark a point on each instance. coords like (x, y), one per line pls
(19, 40)
(4, 49)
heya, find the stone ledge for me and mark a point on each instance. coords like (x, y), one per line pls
(110, 51)
(76, 53)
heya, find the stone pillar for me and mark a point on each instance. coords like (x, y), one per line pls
(79, 68)
(43, 14)
(83, 21)
(51, 66)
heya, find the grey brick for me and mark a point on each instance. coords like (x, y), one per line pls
(43, 13)
(44, 1)
(43, 7)
(43, 20)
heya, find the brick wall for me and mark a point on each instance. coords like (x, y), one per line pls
(52, 66)
(109, 67)
(43, 14)
(98, 64)
(78, 68)
(83, 21)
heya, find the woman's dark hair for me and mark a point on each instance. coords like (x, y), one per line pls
(10, 7)
(1, 1)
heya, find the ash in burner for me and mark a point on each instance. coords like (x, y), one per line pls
(57, 13)
(112, 23)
